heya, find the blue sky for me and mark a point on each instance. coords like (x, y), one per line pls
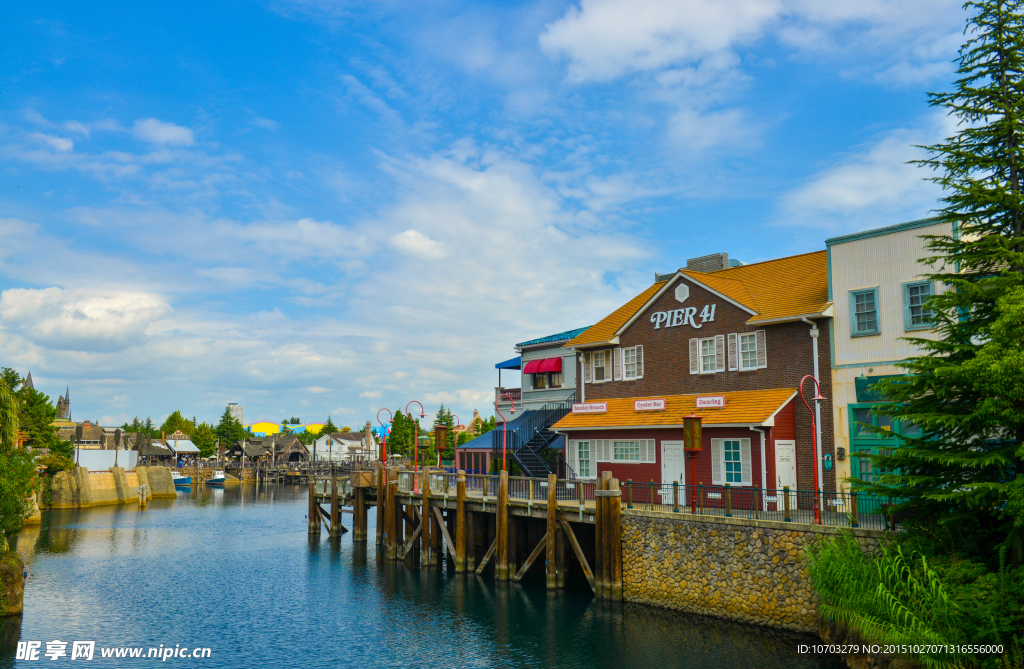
(316, 207)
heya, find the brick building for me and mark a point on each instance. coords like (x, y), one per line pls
(739, 336)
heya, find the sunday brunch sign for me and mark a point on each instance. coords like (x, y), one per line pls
(590, 407)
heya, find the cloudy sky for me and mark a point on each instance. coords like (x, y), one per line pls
(316, 207)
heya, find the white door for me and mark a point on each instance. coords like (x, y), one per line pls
(673, 468)
(785, 469)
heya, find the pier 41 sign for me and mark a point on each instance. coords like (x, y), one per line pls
(684, 316)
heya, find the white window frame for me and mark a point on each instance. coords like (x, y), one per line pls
(752, 337)
(719, 474)
(626, 353)
(703, 356)
(628, 444)
(580, 460)
(603, 366)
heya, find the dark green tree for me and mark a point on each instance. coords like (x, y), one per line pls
(177, 422)
(229, 430)
(445, 417)
(10, 379)
(959, 473)
(37, 416)
(329, 426)
(205, 439)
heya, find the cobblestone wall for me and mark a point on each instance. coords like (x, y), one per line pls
(746, 570)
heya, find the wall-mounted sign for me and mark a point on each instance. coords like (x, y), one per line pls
(685, 316)
(649, 405)
(590, 407)
(711, 402)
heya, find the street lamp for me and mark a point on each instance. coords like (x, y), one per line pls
(692, 445)
(814, 439)
(384, 439)
(504, 427)
(415, 446)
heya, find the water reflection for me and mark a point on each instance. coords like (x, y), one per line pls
(233, 569)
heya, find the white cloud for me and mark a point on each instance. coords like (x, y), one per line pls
(873, 186)
(372, 394)
(266, 123)
(81, 320)
(159, 132)
(604, 39)
(55, 143)
(417, 244)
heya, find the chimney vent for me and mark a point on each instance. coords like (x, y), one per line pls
(708, 263)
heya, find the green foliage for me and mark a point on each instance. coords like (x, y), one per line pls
(10, 379)
(53, 463)
(401, 435)
(17, 481)
(63, 448)
(177, 422)
(513, 468)
(464, 437)
(890, 599)
(205, 439)
(229, 430)
(37, 416)
(966, 389)
(485, 425)
(9, 411)
(329, 426)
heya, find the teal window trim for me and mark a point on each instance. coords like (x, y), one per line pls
(908, 325)
(854, 331)
(896, 430)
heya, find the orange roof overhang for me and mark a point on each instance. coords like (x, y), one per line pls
(746, 407)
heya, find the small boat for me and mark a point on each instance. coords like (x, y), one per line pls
(180, 480)
(217, 478)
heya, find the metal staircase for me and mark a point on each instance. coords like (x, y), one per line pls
(529, 441)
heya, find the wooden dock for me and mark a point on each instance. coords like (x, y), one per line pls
(475, 521)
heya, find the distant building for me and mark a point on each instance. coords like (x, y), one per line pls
(237, 411)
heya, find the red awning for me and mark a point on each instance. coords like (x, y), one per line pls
(550, 365)
(543, 366)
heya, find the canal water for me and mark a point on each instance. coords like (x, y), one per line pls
(234, 571)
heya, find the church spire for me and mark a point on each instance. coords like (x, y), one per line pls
(28, 382)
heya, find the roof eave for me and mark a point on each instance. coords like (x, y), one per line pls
(614, 341)
(824, 313)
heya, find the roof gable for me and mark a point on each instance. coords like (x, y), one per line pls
(605, 329)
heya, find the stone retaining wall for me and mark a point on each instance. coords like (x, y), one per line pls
(79, 488)
(747, 570)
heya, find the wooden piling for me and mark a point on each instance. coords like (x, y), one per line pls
(460, 523)
(314, 511)
(391, 519)
(615, 536)
(501, 559)
(381, 487)
(359, 511)
(560, 557)
(552, 528)
(728, 500)
(598, 538)
(335, 529)
(427, 518)
(785, 504)
(471, 539)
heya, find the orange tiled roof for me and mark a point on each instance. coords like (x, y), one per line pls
(606, 328)
(782, 288)
(746, 407)
(787, 287)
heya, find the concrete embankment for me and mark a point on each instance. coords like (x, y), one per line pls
(752, 571)
(79, 488)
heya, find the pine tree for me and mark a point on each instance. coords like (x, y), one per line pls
(329, 426)
(961, 470)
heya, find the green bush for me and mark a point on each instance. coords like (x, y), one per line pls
(53, 463)
(887, 599)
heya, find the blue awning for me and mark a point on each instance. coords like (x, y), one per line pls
(511, 363)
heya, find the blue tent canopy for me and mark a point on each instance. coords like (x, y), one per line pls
(511, 363)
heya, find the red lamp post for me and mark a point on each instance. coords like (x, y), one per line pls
(814, 440)
(504, 427)
(384, 439)
(692, 445)
(415, 448)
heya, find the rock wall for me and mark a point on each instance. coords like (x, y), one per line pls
(739, 569)
(12, 584)
(79, 488)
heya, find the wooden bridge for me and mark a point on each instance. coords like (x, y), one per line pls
(423, 517)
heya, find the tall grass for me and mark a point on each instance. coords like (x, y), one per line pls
(885, 599)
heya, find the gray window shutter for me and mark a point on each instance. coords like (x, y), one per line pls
(733, 353)
(695, 356)
(639, 362)
(716, 462)
(572, 457)
(617, 364)
(719, 353)
(652, 453)
(586, 367)
(762, 349)
(745, 464)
